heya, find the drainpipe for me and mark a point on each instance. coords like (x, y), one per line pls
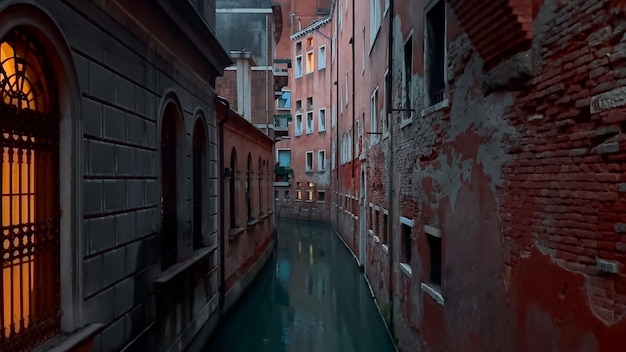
(222, 288)
(390, 218)
(267, 81)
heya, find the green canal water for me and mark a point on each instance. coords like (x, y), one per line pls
(310, 297)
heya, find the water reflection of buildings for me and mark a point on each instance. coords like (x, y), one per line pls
(312, 311)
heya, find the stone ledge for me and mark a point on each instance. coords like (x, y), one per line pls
(79, 340)
(434, 293)
(168, 285)
(234, 233)
(252, 222)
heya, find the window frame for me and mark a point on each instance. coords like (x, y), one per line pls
(321, 64)
(321, 160)
(321, 123)
(426, 85)
(307, 167)
(298, 71)
(298, 125)
(310, 55)
(309, 117)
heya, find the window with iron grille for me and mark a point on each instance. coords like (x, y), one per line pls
(199, 180)
(169, 203)
(30, 308)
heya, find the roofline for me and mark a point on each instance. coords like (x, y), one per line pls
(316, 25)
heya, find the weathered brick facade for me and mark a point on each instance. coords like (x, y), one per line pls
(518, 173)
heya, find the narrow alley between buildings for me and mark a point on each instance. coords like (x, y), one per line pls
(309, 297)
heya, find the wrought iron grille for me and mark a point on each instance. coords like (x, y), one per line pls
(29, 138)
(168, 193)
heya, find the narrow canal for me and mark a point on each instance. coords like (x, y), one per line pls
(310, 297)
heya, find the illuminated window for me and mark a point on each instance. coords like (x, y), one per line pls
(30, 204)
(310, 62)
(309, 195)
(298, 195)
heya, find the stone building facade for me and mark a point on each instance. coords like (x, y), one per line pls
(110, 174)
(480, 175)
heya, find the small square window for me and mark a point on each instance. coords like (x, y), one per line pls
(321, 196)
(276, 195)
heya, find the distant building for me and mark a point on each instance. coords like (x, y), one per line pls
(110, 218)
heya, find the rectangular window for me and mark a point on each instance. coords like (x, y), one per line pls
(309, 161)
(385, 112)
(321, 160)
(321, 57)
(375, 19)
(363, 52)
(309, 196)
(309, 103)
(384, 229)
(298, 66)
(298, 105)
(298, 125)
(321, 123)
(276, 195)
(347, 92)
(284, 102)
(433, 236)
(310, 62)
(298, 47)
(298, 195)
(321, 196)
(374, 117)
(407, 75)
(284, 158)
(309, 122)
(406, 244)
(435, 53)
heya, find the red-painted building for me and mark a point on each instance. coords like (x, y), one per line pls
(480, 170)
(303, 155)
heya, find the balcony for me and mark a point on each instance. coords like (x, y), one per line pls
(282, 175)
(281, 73)
(281, 125)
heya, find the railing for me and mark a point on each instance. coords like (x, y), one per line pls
(283, 174)
(282, 121)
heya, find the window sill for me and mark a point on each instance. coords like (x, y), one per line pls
(168, 285)
(262, 216)
(433, 292)
(309, 132)
(371, 233)
(406, 122)
(252, 222)
(79, 340)
(270, 212)
(439, 106)
(376, 239)
(385, 248)
(320, 131)
(385, 135)
(406, 269)
(234, 233)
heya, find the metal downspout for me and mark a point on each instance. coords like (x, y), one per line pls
(390, 170)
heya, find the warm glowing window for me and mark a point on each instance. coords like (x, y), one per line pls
(29, 137)
(310, 62)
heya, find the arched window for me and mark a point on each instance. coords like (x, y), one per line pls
(169, 195)
(199, 180)
(30, 251)
(233, 197)
(249, 187)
